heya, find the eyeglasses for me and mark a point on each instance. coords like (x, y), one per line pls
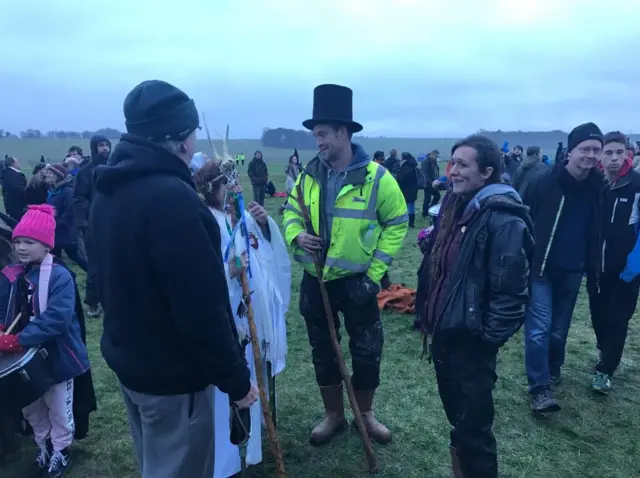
(587, 149)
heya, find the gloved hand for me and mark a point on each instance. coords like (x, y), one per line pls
(9, 343)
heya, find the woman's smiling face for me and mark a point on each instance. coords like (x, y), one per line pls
(465, 174)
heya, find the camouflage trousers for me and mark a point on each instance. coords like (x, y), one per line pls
(357, 301)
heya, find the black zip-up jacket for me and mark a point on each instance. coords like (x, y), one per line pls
(488, 288)
(168, 325)
(84, 184)
(545, 199)
(258, 172)
(620, 221)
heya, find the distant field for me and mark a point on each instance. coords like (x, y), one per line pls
(29, 150)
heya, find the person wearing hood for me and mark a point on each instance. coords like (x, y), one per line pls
(61, 198)
(169, 334)
(476, 264)
(565, 209)
(358, 224)
(83, 192)
(613, 303)
(259, 177)
(529, 171)
(407, 178)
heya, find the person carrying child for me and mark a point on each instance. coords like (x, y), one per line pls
(44, 293)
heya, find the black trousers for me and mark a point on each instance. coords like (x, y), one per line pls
(466, 375)
(431, 198)
(91, 287)
(359, 307)
(611, 310)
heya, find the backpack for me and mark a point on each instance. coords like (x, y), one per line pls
(420, 178)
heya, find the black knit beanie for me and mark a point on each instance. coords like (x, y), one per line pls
(584, 132)
(159, 111)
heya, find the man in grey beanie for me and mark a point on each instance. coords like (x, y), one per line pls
(169, 334)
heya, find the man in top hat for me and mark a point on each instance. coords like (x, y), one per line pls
(359, 220)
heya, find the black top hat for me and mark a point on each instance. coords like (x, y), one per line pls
(333, 104)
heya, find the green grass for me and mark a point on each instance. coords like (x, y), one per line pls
(591, 437)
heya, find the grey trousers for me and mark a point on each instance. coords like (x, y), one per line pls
(173, 436)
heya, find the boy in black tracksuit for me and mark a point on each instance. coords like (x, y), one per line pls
(613, 303)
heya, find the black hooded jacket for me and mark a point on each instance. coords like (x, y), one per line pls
(168, 326)
(84, 187)
(487, 289)
(407, 178)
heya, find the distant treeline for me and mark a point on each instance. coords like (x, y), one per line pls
(110, 133)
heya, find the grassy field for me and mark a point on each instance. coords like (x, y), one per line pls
(591, 437)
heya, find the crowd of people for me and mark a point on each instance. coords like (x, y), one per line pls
(157, 227)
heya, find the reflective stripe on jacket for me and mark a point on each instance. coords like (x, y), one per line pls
(370, 222)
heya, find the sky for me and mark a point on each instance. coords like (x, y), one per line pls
(418, 68)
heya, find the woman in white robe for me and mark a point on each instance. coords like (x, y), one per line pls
(270, 281)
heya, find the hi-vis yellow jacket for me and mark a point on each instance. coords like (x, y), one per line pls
(369, 224)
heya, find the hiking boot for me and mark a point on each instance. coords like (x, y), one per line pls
(456, 469)
(94, 312)
(60, 461)
(601, 383)
(555, 381)
(334, 421)
(376, 430)
(543, 402)
(40, 466)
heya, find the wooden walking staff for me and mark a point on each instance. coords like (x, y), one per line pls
(253, 335)
(368, 449)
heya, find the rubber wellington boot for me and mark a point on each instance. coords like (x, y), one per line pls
(334, 421)
(376, 430)
(456, 470)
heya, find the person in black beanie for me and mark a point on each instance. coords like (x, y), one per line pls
(169, 333)
(565, 209)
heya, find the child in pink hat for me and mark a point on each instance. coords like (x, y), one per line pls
(43, 294)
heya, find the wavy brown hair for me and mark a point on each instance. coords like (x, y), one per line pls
(487, 156)
(208, 180)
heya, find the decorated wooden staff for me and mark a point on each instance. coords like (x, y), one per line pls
(368, 449)
(239, 225)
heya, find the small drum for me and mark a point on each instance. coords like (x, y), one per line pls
(24, 378)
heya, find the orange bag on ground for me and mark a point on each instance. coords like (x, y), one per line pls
(397, 298)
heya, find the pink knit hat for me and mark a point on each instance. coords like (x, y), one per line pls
(38, 224)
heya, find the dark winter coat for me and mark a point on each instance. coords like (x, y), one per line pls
(61, 198)
(620, 220)
(431, 170)
(84, 185)
(13, 193)
(168, 325)
(57, 328)
(486, 288)
(545, 197)
(258, 172)
(407, 179)
(528, 172)
(511, 164)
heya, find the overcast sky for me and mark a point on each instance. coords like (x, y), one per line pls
(417, 67)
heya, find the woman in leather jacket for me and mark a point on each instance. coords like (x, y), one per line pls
(476, 267)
